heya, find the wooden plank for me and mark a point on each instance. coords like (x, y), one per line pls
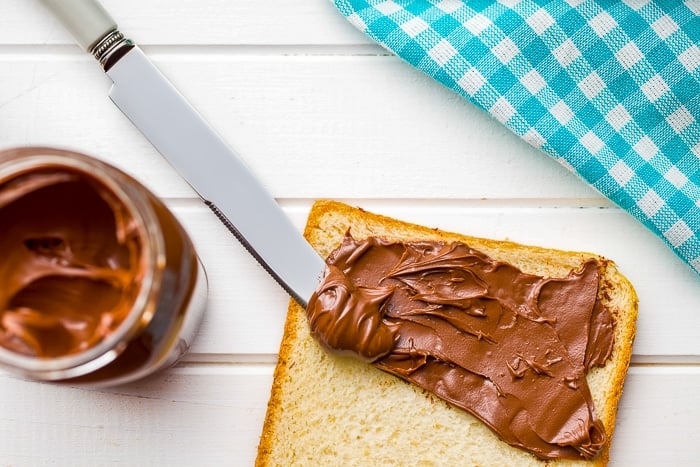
(658, 417)
(187, 416)
(247, 308)
(212, 415)
(308, 115)
(193, 22)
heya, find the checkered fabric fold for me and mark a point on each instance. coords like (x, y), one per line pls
(609, 88)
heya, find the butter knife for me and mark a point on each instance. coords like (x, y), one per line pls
(194, 149)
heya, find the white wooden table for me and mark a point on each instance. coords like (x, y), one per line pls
(317, 111)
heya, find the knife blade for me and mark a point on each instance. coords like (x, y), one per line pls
(194, 149)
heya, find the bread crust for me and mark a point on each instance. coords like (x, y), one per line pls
(315, 417)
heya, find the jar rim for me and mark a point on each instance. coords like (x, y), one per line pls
(21, 161)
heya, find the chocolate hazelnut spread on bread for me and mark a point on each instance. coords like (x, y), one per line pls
(511, 348)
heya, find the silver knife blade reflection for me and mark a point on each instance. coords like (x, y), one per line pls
(195, 150)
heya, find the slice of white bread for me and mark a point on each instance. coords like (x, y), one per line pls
(337, 411)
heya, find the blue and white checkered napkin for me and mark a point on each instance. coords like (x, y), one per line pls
(609, 88)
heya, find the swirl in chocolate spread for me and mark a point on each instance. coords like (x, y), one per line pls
(509, 347)
(71, 267)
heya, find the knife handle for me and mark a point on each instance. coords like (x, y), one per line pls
(86, 20)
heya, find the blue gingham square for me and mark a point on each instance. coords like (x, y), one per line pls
(610, 89)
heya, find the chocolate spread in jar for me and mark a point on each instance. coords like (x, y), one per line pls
(509, 347)
(72, 263)
(101, 285)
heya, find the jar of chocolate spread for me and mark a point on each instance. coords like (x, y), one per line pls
(99, 282)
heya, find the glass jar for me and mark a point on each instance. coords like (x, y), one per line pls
(100, 282)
